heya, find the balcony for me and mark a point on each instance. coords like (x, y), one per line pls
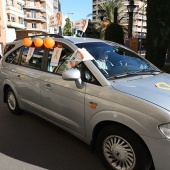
(41, 18)
(137, 3)
(141, 17)
(55, 5)
(99, 1)
(44, 29)
(15, 25)
(41, 8)
(14, 10)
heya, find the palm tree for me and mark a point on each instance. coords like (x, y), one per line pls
(110, 7)
(114, 12)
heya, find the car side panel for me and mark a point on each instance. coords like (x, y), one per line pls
(27, 83)
(63, 102)
(113, 107)
(6, 74)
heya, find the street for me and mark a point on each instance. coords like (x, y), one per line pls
(28, 142)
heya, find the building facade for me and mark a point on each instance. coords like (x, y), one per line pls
(139, 16)
(20, 18)
(37, 14)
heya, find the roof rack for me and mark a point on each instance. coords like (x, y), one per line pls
(41, 35)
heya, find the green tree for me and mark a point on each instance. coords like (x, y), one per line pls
(91, 30)
(114, 32)
(67, 31)
(109, 7)
(158, 31)
(114, 13)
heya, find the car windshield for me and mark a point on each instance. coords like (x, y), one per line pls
(115, 61)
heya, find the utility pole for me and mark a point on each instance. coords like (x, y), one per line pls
(59, 9)
(130, 7)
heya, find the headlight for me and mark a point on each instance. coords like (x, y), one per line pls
(165, 129)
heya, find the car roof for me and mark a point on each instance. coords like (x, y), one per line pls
(77, 40)
(72, 39)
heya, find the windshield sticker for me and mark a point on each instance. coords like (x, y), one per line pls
(56, 56)
(30, 53)
(163, 86)
(78, 56)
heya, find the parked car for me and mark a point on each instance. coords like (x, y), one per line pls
(121, 110)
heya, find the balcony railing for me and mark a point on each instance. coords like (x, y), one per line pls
(44, 29)
(40, 7)
(41, 18)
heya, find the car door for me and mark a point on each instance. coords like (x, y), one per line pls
(27, 77)
(62, 101)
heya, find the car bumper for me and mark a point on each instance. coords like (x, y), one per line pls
(160, 151)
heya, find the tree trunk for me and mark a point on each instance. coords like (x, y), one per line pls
(168, 54)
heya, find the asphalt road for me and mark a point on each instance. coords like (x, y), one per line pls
(28, 142)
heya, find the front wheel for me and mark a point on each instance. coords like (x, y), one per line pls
(121, 149)
(12, 102)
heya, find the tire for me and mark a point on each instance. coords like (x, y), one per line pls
(121, 149)
(12, 102)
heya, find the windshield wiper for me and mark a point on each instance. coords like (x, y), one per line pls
(148, 71)
(140, 72)
(122, 75)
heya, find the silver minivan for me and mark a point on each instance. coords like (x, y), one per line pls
(117, 102)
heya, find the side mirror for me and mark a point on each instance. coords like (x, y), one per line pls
(73, 75)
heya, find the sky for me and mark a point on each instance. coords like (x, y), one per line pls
(76, 9)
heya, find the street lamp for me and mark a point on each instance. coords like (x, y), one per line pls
(59, 9)
(130, 8)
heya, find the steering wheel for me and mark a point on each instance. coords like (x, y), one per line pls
(122, 63)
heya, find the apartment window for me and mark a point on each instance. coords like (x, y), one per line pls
(25, 12)
(32, 3)
(9, 2)
(33, 14)
(34, 25)
(21, 20)
(25, 23)
(11, 17)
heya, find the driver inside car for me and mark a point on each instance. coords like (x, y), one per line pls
(103, 61)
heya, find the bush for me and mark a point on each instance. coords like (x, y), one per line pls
(114, 32)
(166, 69)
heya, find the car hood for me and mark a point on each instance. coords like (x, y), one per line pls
(155, 89)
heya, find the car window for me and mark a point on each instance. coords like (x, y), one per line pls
(13, 57)
(8, 47)
(32, 57)
(112, 59)
(63, 54)
(87, 76)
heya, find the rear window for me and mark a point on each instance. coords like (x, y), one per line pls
(8, 47)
